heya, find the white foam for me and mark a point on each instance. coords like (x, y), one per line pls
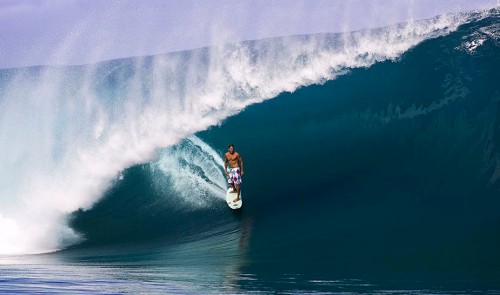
(67, 133)
(195, 172)
(476, 39)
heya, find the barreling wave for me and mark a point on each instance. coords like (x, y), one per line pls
(67, 132)
(393, 168)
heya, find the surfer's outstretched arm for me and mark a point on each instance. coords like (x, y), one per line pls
(225, 165)
(241, 164)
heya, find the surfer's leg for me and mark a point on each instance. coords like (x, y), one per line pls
(238, 191)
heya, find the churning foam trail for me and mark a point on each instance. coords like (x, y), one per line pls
(194, 170)
(67, 132)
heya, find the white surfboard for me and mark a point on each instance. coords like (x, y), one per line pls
(230, 197)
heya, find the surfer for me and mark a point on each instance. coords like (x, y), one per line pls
(234, 174)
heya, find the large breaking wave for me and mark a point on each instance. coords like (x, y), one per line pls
(67, 132)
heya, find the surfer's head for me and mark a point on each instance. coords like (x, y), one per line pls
(230, 148)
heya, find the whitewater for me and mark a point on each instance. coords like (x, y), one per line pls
(68, 132)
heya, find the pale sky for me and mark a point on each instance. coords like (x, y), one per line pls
(85, 31)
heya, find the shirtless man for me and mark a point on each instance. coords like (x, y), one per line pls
(233, 175)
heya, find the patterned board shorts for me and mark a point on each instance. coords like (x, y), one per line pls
(234, 175)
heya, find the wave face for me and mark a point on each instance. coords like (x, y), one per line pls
(69, 133)
(392, 168)
(395, 167)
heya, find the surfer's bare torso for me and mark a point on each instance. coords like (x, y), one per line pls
(233, 159)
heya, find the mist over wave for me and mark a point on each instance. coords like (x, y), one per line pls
(67, 132)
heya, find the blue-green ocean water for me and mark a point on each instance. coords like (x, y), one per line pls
(384, 180)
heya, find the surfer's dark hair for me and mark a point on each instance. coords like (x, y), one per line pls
(231, 145)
